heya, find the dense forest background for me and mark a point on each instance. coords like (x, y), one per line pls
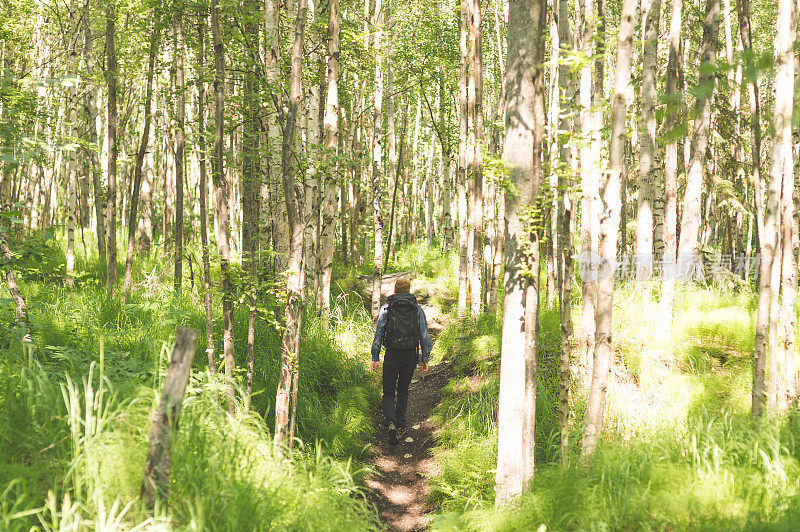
(596, 201)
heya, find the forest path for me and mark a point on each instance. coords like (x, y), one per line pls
(399, 484)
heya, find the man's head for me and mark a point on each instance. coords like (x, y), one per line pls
(402, 286)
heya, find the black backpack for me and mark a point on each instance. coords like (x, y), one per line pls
(402, 323)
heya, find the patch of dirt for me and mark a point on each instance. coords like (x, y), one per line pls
(399, 486)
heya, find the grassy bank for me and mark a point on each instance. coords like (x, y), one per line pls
(76, 415)
(679, 449)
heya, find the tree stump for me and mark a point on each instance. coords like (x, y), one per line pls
(165, 419)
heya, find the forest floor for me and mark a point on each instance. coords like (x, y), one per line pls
(398, 486)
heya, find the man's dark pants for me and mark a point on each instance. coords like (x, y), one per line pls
(398, 367)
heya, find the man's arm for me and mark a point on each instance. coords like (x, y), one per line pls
(424, 335)
(378, 340)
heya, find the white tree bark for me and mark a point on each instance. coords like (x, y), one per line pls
(524, 71)
(331, 142)
(690, 223)
(612, 205)
(647, 165)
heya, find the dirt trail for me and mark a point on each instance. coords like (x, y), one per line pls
(399, 485)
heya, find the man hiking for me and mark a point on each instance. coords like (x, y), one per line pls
(403, 329)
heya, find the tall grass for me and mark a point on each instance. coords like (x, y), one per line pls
(679, 450)
(74, 421)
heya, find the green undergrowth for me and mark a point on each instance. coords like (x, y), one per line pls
(432, 269)
(679, 449)
(435, 270)
(467, 415)
(75, 415)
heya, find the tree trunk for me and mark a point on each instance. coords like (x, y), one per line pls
(201, 149)
(651, 9)
(497, 258)
(145, 201)
(751, 74)
(391, 139)
(762, 314)
(674, 112)
(72, 206)
(281, 236)
(158, 463)
(251, 184)
(356, 199)
(475, 110)
(221, 200)
(111, 216)
(90, 156)
(430, 209)
(377, 156)
(591, 95)
(331, 141)
(553, 111)
(312, 194)
(290, 348)
(493, 247)
(167, 216)
(524, 127)
(565, 228)
(155, 37)
(489, 244)
(789, 245)
(789, 252)
(688, 253)
(608, 237)
(461, 177)
(180, 148)
(780, 199)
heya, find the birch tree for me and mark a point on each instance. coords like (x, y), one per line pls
(180, 148)
(203, 194)
(293, 312)
(461, 176)
(566, 220)
(673, 105)
(647, 168)
(251, 182)
(331, 141)
(612, 204)
(475, 177)
(377, 157)
(524, 72)
(91, 164)
(221, 199)
(111, 214)
(688, 252)
(775, 228)
(591, 95)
